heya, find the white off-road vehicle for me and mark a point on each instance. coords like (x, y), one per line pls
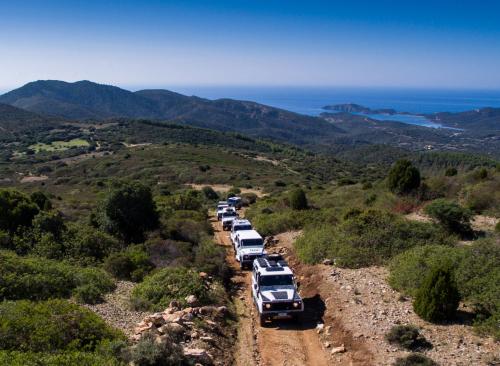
(239, 225)
(234, 202)
(274, 289)
(220, 208)
(227, 217)
(249, 245)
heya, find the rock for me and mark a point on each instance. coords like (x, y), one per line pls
(222, 310)
(327, 344)
(173, 318)
(203, 275)
(174, 305)
(319, 327)
(328, 330)
(156, 319)
(198, 355)
(172, 328)
(207, 339)
(327, 262)
(192, 300)
(207, 310)
(336, 350)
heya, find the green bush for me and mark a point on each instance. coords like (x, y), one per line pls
(16, 210)
(403, 177)
(132, 264)
(40, 279)
(450, 172)
(149, 352)
(168, 284)
(438, 297)
(407, 337)
(367, 238)
(415, 359)
(87, 246)
(211, 258)
(279, 222)
(450, 215)
(209, 193)
(298, 199)
(65, 358)
(408, 269)
(41, 200)
(49, 222)
(51, 326)
(129, 211)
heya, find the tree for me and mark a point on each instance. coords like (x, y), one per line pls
(16, 210)
(450, 172)
(450, 215)
(403, 177)
(41, 200)
(438, 297)
(130, 211)
(209, 193)
(298, 199)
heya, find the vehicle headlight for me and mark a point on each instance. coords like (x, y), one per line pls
(296, 304)
(268, 306)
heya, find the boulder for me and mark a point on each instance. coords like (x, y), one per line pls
(327, 262)
(192, 300)
(336, 350)
(198, 355)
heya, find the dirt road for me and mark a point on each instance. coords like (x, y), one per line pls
(282, 343)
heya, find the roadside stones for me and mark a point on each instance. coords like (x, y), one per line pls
(198, 355)
(327, 262)
(192, 300)
(336, 350)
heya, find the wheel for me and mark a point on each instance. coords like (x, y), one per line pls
(262, 320)
(296, 318)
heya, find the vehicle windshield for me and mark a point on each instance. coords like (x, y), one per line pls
(252, 243)
(243, 227)
(276, 280)
(220, 207)
(229, 214)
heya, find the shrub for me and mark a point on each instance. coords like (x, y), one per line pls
(129, 211)
(51, 326)
(86, 246)
(16, 210)
(279, 222)
(65, 358)
(415, 359)
(450, 172)
(49, 222)
(167, 284)
(368, 238)
(40, 279)
(248, 199)
(92, 283)
(408, 269)
(298, 199)
(209, 193)
(478, 276)
(437, 299)
(407, 337)
(450, 215)
(41, 200)
(132, 264)
(403, 177)
(149, 352)
(211, 258)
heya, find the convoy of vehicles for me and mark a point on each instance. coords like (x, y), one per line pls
(274, 287)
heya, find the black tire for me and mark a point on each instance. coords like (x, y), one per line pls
(262, 320)
(296, 318)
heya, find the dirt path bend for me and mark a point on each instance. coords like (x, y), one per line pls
(282, 343)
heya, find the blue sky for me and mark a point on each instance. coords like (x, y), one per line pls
(434, 44)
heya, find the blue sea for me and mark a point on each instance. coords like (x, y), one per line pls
(309, 100)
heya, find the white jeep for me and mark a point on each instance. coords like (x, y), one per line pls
(227, 218)
(239, 225)
(274, 289)
(249, 245)
(220, 209)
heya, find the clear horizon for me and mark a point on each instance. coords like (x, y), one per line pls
(440, 44)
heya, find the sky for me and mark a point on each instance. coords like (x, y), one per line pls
(135, 44)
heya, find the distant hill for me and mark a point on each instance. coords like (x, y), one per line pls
(88, 100)
(484, 119)
(357, 108)
(15, 120)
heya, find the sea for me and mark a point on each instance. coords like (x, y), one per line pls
(311, 100)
